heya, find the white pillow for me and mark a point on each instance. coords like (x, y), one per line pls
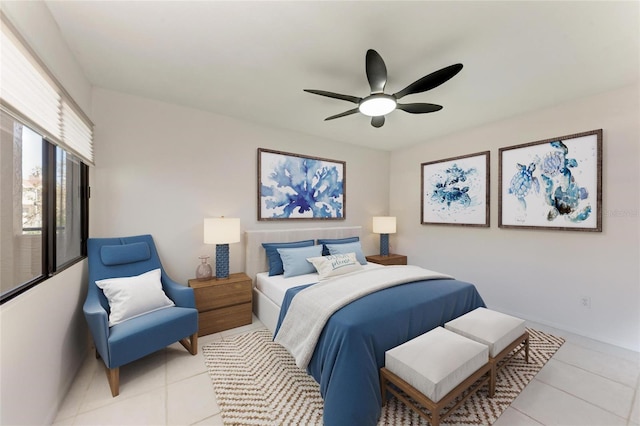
(131, 297)
(336, 264)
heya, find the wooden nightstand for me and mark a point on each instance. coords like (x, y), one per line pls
(391, 259)
(223, 304)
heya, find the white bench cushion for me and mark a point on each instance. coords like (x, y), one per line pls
(436, 362)
(494, 329)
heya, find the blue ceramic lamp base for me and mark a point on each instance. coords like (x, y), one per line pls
(384, 244)
(222, 261)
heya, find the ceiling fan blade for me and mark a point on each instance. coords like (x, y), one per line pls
(430, 81)
(377, 121)
(419, 108)
(376, 71)
(347, 98)
(342, 114)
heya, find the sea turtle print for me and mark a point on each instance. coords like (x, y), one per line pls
(522, 182)
(449, 192)
(561, 190)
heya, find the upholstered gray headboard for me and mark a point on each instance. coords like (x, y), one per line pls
(256, 258)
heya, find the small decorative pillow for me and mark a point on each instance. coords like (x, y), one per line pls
(294, 260)
(132, 297)
(354, 247)
(323, 242)
(335, 264)
(273, 257)
(121, 254)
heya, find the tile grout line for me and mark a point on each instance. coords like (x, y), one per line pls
(73, 415)
(633, 402)
(524, 414)
(594, 373)
(596, 348)
(85, 391)
(581, 399)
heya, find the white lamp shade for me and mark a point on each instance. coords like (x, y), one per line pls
(384, 224)
(221, 230)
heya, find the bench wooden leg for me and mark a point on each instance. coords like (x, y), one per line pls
(507, 354)
(493, 378)
(113, 376)
(436, 414)
(435, 418)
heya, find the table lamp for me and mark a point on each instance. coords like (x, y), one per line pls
(222, 231)
(384, 225)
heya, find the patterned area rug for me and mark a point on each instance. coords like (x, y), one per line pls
(257, 383)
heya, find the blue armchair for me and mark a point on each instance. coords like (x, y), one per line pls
(144, 334)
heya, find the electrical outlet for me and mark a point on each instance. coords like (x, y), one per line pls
(585, 302)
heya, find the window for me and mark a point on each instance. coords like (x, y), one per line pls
(45, 143)
(43, 215)
(69, 207)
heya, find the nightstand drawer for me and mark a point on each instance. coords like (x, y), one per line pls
(218, 296)
(223, 304)
(224, 318)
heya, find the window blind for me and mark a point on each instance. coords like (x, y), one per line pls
(30, 93)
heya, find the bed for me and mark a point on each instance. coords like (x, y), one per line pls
(351, 346)
(256, 261)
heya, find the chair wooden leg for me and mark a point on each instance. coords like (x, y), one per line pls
(113, 376)
(526, 349)
(191, 343)
(194, 344)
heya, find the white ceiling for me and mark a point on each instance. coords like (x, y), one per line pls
(251, 60)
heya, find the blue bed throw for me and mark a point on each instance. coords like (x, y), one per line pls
(350, 351)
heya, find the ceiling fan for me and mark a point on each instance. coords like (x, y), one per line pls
(378, 103)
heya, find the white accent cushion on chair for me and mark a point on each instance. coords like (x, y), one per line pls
(130, 297)
(492, 328)
(436, 362)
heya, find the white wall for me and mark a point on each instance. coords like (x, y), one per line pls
(534, 274)
(44, 341)
(43, 336)
(161, 169)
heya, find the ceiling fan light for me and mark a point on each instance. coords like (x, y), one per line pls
(377, 105)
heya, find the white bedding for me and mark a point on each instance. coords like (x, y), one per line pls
(276, 286)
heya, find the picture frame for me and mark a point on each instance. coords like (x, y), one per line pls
(455, 191)
(300, 187)
(553, 184)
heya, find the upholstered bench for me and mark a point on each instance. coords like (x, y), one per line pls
(500, 332)
(434, 369)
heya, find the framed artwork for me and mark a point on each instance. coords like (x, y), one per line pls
(294, 186)
(455, 191)
(552, 184)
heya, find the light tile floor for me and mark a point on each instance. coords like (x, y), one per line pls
(585, 383)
